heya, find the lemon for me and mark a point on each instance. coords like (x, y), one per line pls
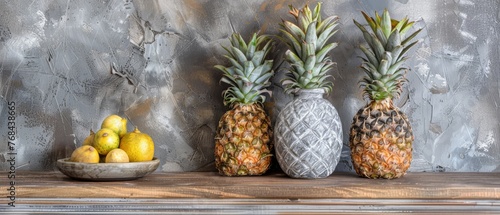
(85, 154)
(138, 146)
(117, 156)
(115, 123)
(106, 140)
(89, 140)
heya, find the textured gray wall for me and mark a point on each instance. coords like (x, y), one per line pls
(68, 64)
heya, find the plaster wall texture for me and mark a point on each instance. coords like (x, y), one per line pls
(69, 64)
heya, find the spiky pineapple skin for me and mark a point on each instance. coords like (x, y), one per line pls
(243, 141)
(381, 141)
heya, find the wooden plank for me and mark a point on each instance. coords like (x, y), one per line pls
(252, 206)
(209, 185)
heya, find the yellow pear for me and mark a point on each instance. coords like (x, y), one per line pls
(89, 140)
(85, 154)
(106, 140)
(138, 146)
(117, 156)
(115, 123)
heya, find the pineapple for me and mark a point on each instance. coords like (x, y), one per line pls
(242, 142)
(308, 131)
(381, 136)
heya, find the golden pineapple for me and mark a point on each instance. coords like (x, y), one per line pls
(242, 141)
(381, 136)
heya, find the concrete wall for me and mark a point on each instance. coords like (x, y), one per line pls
(68, 64)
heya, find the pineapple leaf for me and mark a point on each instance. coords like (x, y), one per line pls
(229, 81)
(406, 49)
(291, 41)
(369, 55)
(396, 66)
(294, 11)
(294, 30)
(291, 57)
(386, 24)
(311, 58)
(381, 36)
(327, 23)
(265, 77)
(378, 48)
(399, 24)
(238, 55)
(323, 78)
(306, 11)
(320, 56)
(235, 72)
(372, 41)
(228, 71)
(393, 41)
(325, 35)
(396, 52)
(377, 19)
(410, 37)
(325, 67)
(238, 42)
(310, 62)
(251, 49)
(303, 21)
(305, 51)
(383, 67)
(258, 57)
(234, 62)
(370, 21)
(311, 36)
(250, 97)
(373, 70)
(317, 12)
(406, 27)
(249, 69)
(261, 70)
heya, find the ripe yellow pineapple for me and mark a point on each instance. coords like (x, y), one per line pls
(381, 136)
(242, 141)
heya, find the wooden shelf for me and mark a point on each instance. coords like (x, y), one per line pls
(207, 192)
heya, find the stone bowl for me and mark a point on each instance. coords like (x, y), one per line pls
(107, 171)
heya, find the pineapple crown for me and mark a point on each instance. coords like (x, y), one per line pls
(385, 55)
(307, 54)
(249, 72)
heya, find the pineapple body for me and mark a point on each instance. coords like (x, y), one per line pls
(242, 141)
(381, 141)
(381, 137)
(308, 136)
(244, 132)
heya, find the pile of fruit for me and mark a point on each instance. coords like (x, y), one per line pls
(113, 144)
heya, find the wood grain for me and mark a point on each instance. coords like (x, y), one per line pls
(341, 191)
(272, 186)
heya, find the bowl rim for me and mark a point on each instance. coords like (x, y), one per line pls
(68, 168)
(66, 161)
